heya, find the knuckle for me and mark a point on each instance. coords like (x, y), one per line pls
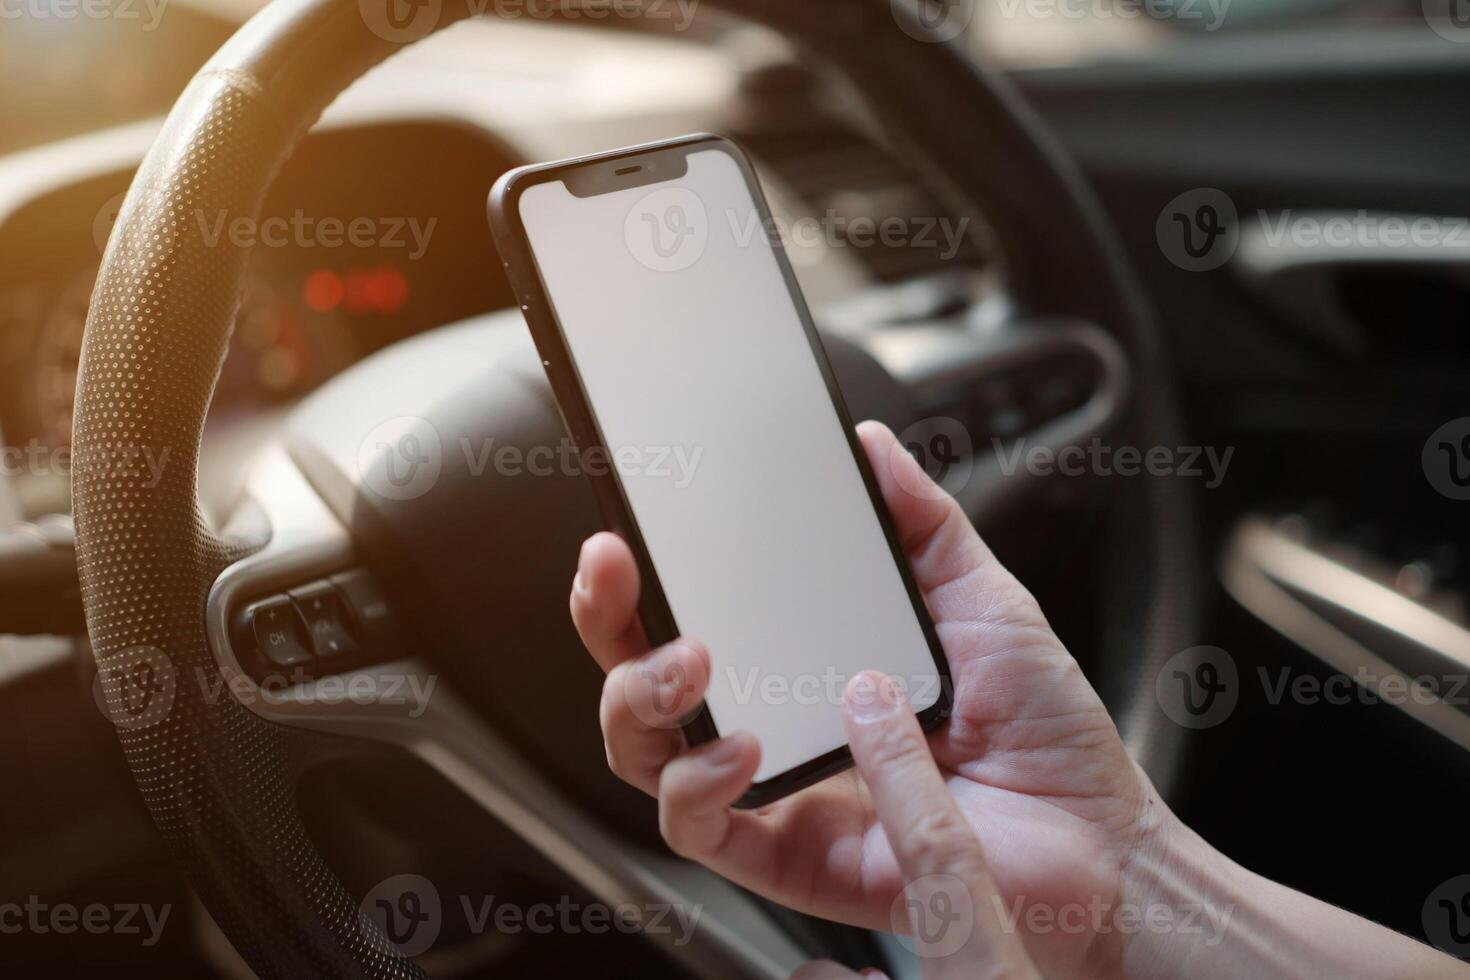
(675, 834)
(613, 710)
(940, 840)
(675, 798)
(675, 840)
(898, 746)
(616, 764)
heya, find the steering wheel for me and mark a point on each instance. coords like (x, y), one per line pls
(159, 584)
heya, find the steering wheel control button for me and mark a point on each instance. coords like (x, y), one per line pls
(322, 609)
(279, 632)
(369, 611)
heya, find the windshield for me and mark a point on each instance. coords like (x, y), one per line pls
(71, 66)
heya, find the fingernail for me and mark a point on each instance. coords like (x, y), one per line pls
(870, 696)
(698, 654)
(727, 750)
(579, 581)
(687, 654)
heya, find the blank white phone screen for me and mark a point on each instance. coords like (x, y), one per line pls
(730, 451)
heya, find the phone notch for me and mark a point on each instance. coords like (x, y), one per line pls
(607, 176)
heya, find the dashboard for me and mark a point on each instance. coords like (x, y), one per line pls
(347, 259)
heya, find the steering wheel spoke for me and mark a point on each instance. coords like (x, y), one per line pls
(385, 693)
(995, 395)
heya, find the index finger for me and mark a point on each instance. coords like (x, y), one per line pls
(950, 904)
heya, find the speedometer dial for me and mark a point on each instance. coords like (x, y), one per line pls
(279, 351)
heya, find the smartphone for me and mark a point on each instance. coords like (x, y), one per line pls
(672, 331)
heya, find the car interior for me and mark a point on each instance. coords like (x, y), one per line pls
(199, 442)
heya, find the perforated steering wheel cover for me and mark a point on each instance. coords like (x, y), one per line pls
(213, 774)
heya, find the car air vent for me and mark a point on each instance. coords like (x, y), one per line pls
(842, 176)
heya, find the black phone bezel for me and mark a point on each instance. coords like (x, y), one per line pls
(662, 161)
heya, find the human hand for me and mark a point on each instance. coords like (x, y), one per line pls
(1030, 757)
(949, 897)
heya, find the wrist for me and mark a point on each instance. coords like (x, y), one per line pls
(1177, 898)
